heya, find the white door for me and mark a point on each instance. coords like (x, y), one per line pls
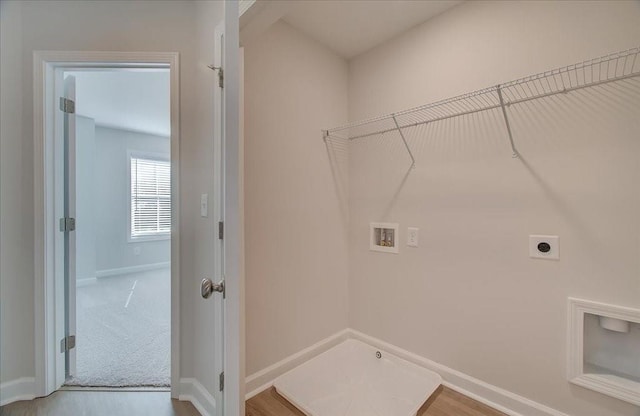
(218, 209)
(65, 333)
(233, 270)
(227, 350)
(213, 287)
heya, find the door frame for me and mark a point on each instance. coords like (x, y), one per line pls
(45, 64)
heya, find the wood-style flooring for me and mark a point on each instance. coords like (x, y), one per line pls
(101, 403)
(444, 402)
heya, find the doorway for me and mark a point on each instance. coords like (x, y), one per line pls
(52, 331)
(118, 192)
(49, 309)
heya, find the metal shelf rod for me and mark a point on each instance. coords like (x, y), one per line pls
(558, 81)
(431, 106)
(419, 123)
(487, 108)
(330, 133)
(571, 89)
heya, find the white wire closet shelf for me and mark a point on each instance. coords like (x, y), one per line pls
(610, 68)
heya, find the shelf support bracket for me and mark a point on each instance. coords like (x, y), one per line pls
(404, 140)
(506, 122)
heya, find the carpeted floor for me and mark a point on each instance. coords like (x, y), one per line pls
(123, 331)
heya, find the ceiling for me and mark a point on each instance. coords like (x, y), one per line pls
(138, 99)
(128, 99)
(351, 27)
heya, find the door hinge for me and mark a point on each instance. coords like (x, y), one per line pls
(220, 230)
(67, 105)
(67, 224)
(221, 77)
(220, 74)
(222, 381)
(67, 343)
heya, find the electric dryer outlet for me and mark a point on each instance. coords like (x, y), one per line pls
(544, 247)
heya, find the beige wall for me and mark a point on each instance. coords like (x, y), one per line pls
(158, 26)
(295, 230)
(469, 296)
(16, 243)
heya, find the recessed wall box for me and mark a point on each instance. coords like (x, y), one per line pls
(384, 236)
(603, 349)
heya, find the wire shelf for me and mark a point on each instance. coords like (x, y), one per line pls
(610, 68)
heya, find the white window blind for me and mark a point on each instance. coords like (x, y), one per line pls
(150, 197)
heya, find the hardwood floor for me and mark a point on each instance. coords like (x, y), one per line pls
(447, 402)
(444, 402)
(101, 403)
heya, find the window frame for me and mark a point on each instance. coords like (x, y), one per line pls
(140, 154)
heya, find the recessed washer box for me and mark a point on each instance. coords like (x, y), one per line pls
(384, 236)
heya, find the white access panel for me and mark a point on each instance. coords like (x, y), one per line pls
(356, 379)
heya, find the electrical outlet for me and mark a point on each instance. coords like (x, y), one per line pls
(204, 205)
(544, 247)
(137, 250)
(412, 237)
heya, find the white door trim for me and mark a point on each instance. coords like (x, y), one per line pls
(234, 351)
(44, 65)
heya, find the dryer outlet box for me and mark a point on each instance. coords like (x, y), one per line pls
(544, 247)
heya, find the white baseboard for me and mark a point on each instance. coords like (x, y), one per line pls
(192, 391)
(132, 269)
(86, 281)
(263, 379)
(493, 396)
(19, 389)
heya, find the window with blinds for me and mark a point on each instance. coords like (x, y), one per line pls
(150, 197)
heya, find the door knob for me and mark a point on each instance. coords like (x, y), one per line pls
(207, 287)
